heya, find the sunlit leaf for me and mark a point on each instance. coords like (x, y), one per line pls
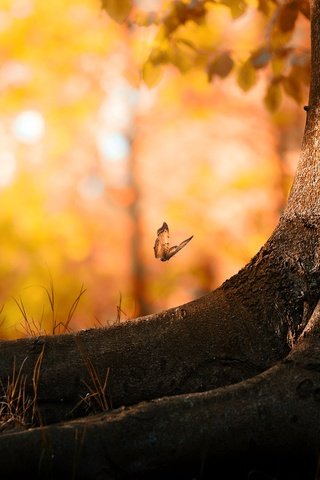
(292, 87)
(265, 6)
(280, 60)
(181, 12)
(145, 19)
(288, 16)
(237, 7)
(301, 73)
(151, 74)
(185, 43)
(279, 39)
(247, 76)
(277, 64)
(159, 55)
(184, 54)
(260, 58)
(183, 59)
(117, 9)
(273, 97)
(220, 66)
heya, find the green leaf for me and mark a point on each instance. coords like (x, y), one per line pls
(117, 9)
(273, 97)
(260, 58)
(247, 76)
(288, 16)
(220, 66)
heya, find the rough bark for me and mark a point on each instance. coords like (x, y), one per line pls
(239, 330)
(242, 328)
(277, 410)
(216, 375)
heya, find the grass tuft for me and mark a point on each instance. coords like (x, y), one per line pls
(33, 328)
(97, 398)
(18, 409)
(120, 311)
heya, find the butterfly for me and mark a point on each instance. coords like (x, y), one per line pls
(162, 247)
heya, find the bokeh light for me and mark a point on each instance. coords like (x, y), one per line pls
(28, 126)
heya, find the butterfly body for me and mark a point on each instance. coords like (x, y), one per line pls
(162, 249)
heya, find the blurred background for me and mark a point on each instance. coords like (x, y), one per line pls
(93, 161)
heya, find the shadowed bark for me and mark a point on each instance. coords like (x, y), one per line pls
(277, 410)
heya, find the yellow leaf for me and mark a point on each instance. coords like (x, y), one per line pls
(273, 97)
(220, 66)
(279, 39)
(151, 74)
(260, 58)
(278, 64)
(288, 16)
(247, 76)
(117, 9)
(185, 44)
(265, 6)
(237, 7)
(159, 55)
(181, 60)
(145, 19)
(301, 72)
(292, 87)
(304, 7)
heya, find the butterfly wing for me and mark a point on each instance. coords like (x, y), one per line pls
(177, 248)
(161, 246)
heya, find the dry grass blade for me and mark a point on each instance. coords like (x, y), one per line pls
(120, 311)
(17, 408)
(3, 319)
(14, 402)
(22, 308)
(118, 319)
(35, 383)
(98, 390)
(74, 306)
(98, 323)
(97, 396)
(51, 299)
(63, 327)
(30, 327)
(26, 325)
(33, 328)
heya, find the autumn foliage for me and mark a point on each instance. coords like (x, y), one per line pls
(117, 117)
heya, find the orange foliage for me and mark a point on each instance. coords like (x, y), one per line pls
(92, 161)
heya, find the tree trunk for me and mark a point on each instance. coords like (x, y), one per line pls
(233, 345)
